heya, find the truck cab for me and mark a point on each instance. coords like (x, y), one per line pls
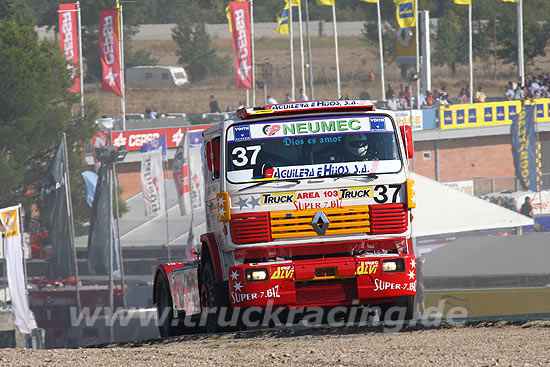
(308, 204)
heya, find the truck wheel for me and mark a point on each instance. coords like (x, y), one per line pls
(168, 326)
(391, 313)
(210, 297)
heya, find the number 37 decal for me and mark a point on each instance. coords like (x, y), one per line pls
(382, 193)
(241, 156)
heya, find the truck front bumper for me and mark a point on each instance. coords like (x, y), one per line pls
(335, 281)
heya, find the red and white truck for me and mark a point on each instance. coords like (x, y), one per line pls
(308, 204)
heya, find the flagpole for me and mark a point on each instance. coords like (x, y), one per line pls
(521, 67)
(311, 90)
(417, 62)
(293, 84)
(253, 58)
(111, 286)
(302, 48)
(70, 216)
(381, 47)
(190, 235)
(80, 59)
(122, 84)
(121, 258)
(166, 211)
(336, 50)
(470, 53)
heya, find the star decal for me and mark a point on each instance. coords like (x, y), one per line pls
(176, 138)
(221, 212)
(237, 286)
(242, 203)
(234, 275)
(111, 77)
(413, 263)
(255, 202)
(411, 274)
(221, 201)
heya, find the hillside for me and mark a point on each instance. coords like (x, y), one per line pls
(356, 62)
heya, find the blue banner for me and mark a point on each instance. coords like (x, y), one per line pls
(524, 148)
(155, 144)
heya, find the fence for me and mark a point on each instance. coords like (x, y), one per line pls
(483, 186)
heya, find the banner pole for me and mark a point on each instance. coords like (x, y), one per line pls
(381, 48)
(521, 68)
(253, 57)
(470, 51)
(302, 48)
(111, 286)
(80, 59)
(71, 219)
(292, 81)
(122, 84)
(121, 258)
(336, 50)
(166, 210)
(311, 89)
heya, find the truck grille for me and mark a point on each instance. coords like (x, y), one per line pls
(250, 228)
(291, 224)
(388, 218)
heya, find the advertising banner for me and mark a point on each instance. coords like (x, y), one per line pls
(68, 39)
(462, 116)
(135, 139)
(404, 118)
(109, 48)
(152, 182)
(242, 43)
(180, 171)
(524, 149)
(10, 218)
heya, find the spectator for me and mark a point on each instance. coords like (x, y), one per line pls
(287, 98)
(390, 92)
(462, 97)
(303, 95)
(241, 105)
(150, 115)
(214, 105)
(364, 96)
(509, 92)
(519, 94)
(526, 208)
(420, 100)
(479, 97)
(430, 100)
(393, 104)
(271, 100)
(535, 85)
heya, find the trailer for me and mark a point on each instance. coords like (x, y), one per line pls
(308, 205)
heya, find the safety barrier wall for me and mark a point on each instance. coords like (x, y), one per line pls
(488, 114)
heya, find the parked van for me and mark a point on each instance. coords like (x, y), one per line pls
(164, 75)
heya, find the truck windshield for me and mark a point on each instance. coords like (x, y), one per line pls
(314, 147)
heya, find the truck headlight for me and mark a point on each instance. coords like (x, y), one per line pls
(393, 265)
(254, 275)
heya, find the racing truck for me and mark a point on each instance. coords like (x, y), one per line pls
(308, 204)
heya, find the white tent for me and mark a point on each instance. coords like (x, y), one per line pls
(442, 210)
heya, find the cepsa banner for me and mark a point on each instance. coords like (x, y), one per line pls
(109, 49)
(68, 38)
(134, 139)
(242, 43)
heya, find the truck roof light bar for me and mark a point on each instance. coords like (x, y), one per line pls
(295, 108)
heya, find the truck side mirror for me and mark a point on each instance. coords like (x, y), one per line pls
(406, 135)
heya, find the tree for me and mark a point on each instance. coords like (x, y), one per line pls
(195, 53)
(36, 110)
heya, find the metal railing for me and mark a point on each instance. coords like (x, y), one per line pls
(484, 186)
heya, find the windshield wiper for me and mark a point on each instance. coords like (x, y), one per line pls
(256, 184)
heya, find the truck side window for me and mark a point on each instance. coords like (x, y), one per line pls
(216, 158)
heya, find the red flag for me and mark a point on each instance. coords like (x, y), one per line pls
(68, 38)
(109, 48)
(242, 42)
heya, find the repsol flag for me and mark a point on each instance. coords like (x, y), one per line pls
(524, 148)
(68, 38)
(152, 182)
(109, 50)
(405, 13)
(242, 43)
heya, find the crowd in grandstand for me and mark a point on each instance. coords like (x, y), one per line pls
(534, 87)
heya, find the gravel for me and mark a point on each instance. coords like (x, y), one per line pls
(481, 344)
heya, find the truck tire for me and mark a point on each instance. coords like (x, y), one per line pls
(210, 297)
(168, 326)
(389, 311)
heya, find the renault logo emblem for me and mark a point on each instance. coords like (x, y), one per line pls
(320, 223)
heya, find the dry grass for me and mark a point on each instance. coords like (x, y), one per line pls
(356, 61)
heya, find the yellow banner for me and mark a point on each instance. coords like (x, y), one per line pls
(370, 1)
(509, 1)
(10, 221)
(463, 2)
(325, 2)
(462, 116)
(405, 13)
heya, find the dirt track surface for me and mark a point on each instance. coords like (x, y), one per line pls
(497, 344)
